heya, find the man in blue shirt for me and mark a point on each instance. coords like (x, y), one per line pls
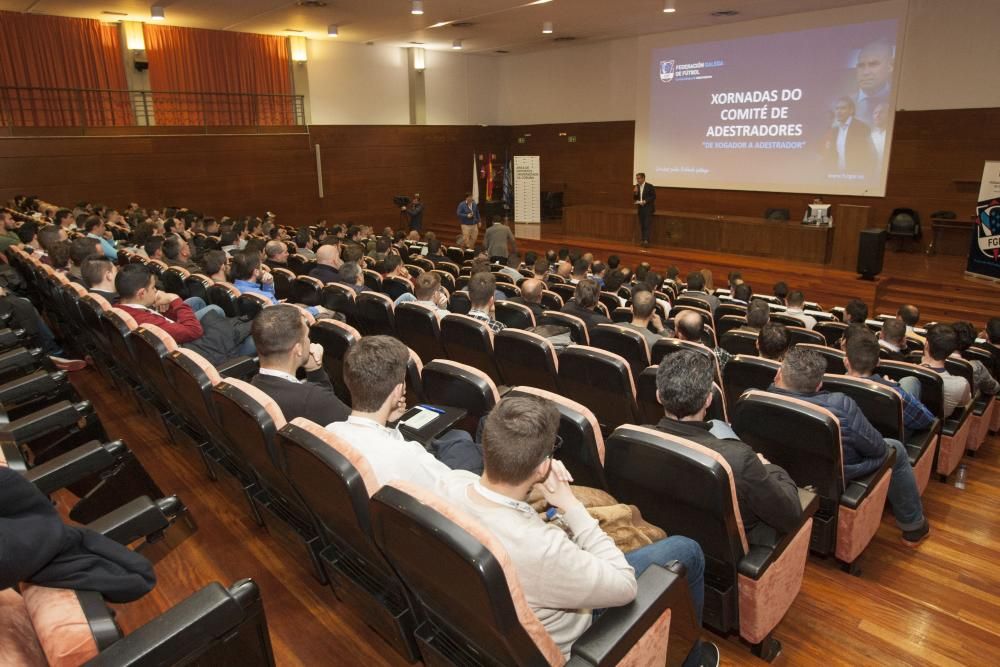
(249, 278)
(468, 219)
(94, 227)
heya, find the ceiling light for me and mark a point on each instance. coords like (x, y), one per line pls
(417, 7)
(331, 30)
(156, 13)
(547, 28)
(539, 2)
(669, 7)
(440, 24)
(457, 45)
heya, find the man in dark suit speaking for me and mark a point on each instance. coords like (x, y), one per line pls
(644, 196)
(848, 144)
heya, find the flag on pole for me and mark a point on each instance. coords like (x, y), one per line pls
(489, 181)
(475, 180)
(508, 185)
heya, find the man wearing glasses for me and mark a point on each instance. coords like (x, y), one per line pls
(566, 571)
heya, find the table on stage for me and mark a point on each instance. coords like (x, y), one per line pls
(699, 231)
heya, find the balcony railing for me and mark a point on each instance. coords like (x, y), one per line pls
(77, 107)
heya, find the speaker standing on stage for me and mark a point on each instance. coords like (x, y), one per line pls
(468, 218)
(644, 195)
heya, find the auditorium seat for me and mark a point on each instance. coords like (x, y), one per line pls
(224, 296)
(610, 301)
(804, 439)
(621, 314)
(459, 303)
(501, 277)
(447, 278)
(336, 338)
(688, 489)
(627, 343)
(417, 326)
(306, 290)
(473, 607)
(883, 408)
(197, 284)
(92, 309)
(249, 421)
(552, 301)
(954, 428)
(666, 346)
(706, 314)
(739, 342)
(834, 357)
(335, 482)
(787, 320)
(156, 266)
(687, 301)
(469, 341)
(174, 279)
(734, 309)
(283, 280)
(797, 335)
(564, 290)
(514, 315)
(395, 287)
(419, 261)
(456, 385)
(338, 298)
(150, 345)
(373, 280)
(526, 358)
(509, 289)
(987, 405)
(981, 414)
(831, 331)
(600, 380)
(708, 336)
(373, 314)
(652, 411)
(582, 446)
(577, 327)
(118, 325)
(744, 372)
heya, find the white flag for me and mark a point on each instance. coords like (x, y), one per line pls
(475, 180)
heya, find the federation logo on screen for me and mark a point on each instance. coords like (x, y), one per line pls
(666, 71)
(989, 229)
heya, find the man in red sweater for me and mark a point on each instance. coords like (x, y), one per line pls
(139, 297)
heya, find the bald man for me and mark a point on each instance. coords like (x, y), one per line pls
(688, 326)
(531, 296)
(874, 76)
(328, 263)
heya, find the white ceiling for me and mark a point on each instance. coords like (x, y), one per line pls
(511, 25)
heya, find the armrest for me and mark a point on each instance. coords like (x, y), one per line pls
(760, 556)
(10, 337)
(134, 520)
(33, 384)
(857, 490)
(61, 415)
(954, 422)
(185, 630)
(74, 465)
(608, 640)
(242, 368)
(21, 357)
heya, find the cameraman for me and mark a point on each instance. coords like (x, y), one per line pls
(415, 212)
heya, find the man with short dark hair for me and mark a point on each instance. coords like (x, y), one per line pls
(758, 314)
(427, 292)
(768, 498)
(434, 252)
(393, 267)
(773, 341)
(982, 376)
(177, 252)
(564, 573)
(8, 229)
(510, 268)
(499, 242)
(892, 340)
(741, 294)
(579, 271)
(688, 326)
(584, 304)
(214, 264)
(282, 339)
(154, 247)
(644, 316)
(64, 220)
(94, 227)
(482, 295)
(864, 449)
(942, 341)
(780, 290)
(796, 309)
(855, 312)
(139, 297)
(98, 276)
(696, 288)
(79, 250)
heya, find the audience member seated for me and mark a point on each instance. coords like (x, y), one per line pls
(565, 573)
(768, 498)
(986, 384)
(741, 294)
(59, 256)
(773, 341)
(94, 228)
(796, 301)
(214, 264)
(98, 275)
(696, 288)
(599, 271)
(375, 374)
(154, 247)
(249, 278)
(644, 316)
(855, 312)
(28, 234)
(864, 449)
(861, 356)
(282, 339)
(482, 296)
(328, 263)
(80, 249)
(584, 304)
(580, 270)
(304, 243)
(942, 342)
(689, 326)
(892, 340)
(350, 274)
(780, 291)
(8, 231)
(758, 314)
(434, 252)
(510, 270)
(393, 267)
(177, 252)
(910, 315)
(24, 315)
(427, 292)
(531, 296)
(276, 255)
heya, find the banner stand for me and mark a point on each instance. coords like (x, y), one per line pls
(984, 246)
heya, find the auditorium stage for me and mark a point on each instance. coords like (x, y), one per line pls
(935, 283)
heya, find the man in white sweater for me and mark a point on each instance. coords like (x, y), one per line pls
(564, 578)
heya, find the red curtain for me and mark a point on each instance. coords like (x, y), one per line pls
(59, 71)
(218, 77)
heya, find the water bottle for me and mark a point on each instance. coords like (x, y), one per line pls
(960, 477)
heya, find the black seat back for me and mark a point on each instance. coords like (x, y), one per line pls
(880, 404)
(744, 372)
(514, 315)
(600, 380)
(459, 303)
(224, 296)
(832, 331)
(173, 280)
(283, 279)
(834, 357)
(306, 290)
(577, 327)
(797, 335)
(931, 384)
(373, 314)
(456, 385)
(418, 327)
(197, 285)
(739, 342)
(469, 341)
(526, 358)
(626, 343)
(336, 338)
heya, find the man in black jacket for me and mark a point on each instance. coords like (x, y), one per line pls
(584, 304)
(768, 498)
(282, 340)
(531, 296)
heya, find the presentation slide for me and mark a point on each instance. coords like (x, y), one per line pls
(808, 111)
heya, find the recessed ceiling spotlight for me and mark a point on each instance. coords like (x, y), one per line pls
(669, 7)
(417, 7)
(332, 30)
(457, 45)
(547, 28)
(156, 13)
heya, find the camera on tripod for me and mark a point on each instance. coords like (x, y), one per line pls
(401, 200)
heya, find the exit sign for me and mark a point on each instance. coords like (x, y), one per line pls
(571, 139)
